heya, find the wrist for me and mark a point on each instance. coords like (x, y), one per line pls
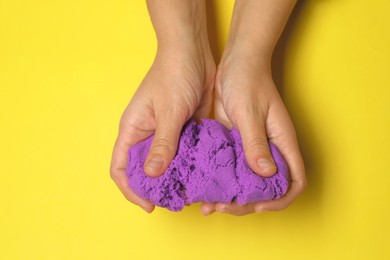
(179, 23)
(256, 26)
(184, 43)
(248, 56)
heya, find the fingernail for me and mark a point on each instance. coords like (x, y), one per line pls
(155, 163)
(265, 164)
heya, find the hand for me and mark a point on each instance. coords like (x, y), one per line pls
(178, 86)
(246, 98)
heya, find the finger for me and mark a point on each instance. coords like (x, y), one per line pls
(287, 143)
(207, 208)
(165, 141)
(296, 188)
(255, 143)
(235, 209)
(118, 174)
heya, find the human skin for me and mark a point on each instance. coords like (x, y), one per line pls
(180, 82)
(178, 86)
(246, 98)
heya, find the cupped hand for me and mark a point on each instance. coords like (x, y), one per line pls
(246, 98)
(178, 86)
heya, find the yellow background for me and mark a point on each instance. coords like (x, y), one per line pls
(69, 68)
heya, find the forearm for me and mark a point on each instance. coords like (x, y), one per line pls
(257, 25)
(178, 22)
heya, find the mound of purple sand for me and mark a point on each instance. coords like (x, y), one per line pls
(209, 166)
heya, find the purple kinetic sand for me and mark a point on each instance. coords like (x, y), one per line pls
(209, 166)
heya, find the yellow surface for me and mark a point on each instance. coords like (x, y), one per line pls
(69, 68)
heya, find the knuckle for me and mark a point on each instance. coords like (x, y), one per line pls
(293, 131)
(114, 174)
(258, 144)
(162, 145)
(303, 185)
(173, 111)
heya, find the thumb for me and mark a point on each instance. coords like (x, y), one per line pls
(255, 144)
(164, 145)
